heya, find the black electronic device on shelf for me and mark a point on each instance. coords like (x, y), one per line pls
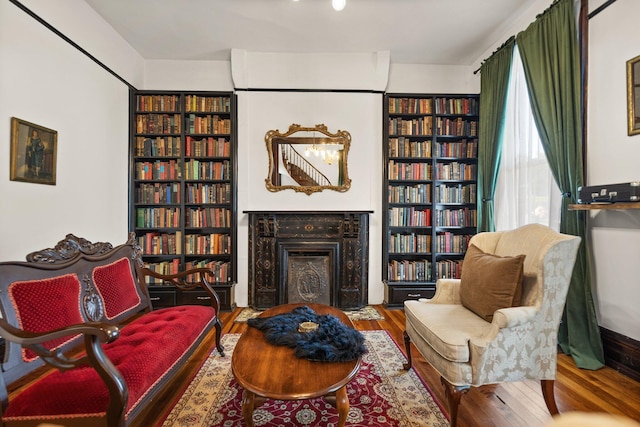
(610, 193)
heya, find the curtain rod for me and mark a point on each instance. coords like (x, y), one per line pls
(494, 52)
(591, 15)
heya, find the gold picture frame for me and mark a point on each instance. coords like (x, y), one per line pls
(633, 95)
(33, 152)
(308, 159)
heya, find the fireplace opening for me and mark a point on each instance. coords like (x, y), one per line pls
(310, 272)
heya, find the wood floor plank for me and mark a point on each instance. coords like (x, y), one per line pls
(505, 405)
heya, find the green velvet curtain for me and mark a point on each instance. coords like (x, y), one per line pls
(494, 78)
(550, 55)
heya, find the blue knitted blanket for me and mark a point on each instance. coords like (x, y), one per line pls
(333, 341)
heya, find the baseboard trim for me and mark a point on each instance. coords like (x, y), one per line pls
(621, 353)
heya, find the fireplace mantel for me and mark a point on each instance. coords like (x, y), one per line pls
(308, 256)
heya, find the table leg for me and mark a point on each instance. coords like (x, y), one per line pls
(248, 401)
(342, 405)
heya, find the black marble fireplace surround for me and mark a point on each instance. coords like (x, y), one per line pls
(308, 256)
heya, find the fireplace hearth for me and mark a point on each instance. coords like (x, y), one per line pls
(315, 257)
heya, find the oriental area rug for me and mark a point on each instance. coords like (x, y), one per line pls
(381, 394)
(366, 313)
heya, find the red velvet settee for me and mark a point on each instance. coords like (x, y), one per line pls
(84, 309)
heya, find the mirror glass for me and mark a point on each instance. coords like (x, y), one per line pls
(633, 95)
(308, 159)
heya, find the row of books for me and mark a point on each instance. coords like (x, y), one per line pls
(449, 269)
(464, 149)
(158, 193)
(207, 147)
(456, 127)
(158, 123)
(410, 105)
(157, 103)
(403, 147)
(207, 104)
(409, 217)
(207, 124)
(220, 270)
(155, 243)
(192, 103)
(456, 171)
(463, 217)
(460, 193)
(158, 217)
(448, 242)
(457, 106)
(208, 193)
(159, 170)
(163, 267)
(215, 244)
(202, 170)
(158, 147)
(419, 193)
(207, 217)
(410, 243)
(409, 270)
(419, 126)
(409, 171)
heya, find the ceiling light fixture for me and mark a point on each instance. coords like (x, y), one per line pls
(338, 4)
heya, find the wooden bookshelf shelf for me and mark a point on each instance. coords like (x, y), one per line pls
(183, 189)
(605, 206)
(430, 148)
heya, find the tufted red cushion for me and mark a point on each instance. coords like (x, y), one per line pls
(38, 307)
(117, 287)
(146, 349)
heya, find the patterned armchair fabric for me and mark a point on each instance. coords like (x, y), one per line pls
(521, 342)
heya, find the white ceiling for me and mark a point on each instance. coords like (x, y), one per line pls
(446, 32)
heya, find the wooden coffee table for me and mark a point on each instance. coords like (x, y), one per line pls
(268, 371)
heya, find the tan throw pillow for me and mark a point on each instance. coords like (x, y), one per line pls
(490, 282)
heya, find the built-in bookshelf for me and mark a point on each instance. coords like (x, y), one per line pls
(183, 180)
(429, 190)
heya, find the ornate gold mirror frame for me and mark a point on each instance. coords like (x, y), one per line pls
(308, 159)
(633, 95)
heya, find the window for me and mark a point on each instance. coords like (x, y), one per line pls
(526, 191)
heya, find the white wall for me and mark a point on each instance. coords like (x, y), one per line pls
(357, 113)
(187, 75)
(612, 157)
(46, 81)
(420, 78)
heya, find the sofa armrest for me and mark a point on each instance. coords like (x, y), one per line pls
(92, 331)
(191, 279)
(514, 316)
(505, 320)
(447, 292)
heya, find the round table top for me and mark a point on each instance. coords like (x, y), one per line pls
(275, 372)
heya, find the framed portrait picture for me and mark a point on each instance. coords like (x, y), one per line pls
(633, 95)
(33, 152)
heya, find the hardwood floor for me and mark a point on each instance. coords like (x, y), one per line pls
(509, 404)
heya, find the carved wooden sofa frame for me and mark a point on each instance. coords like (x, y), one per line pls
(84, 309)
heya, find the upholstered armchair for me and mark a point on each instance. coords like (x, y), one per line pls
(499, 322)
